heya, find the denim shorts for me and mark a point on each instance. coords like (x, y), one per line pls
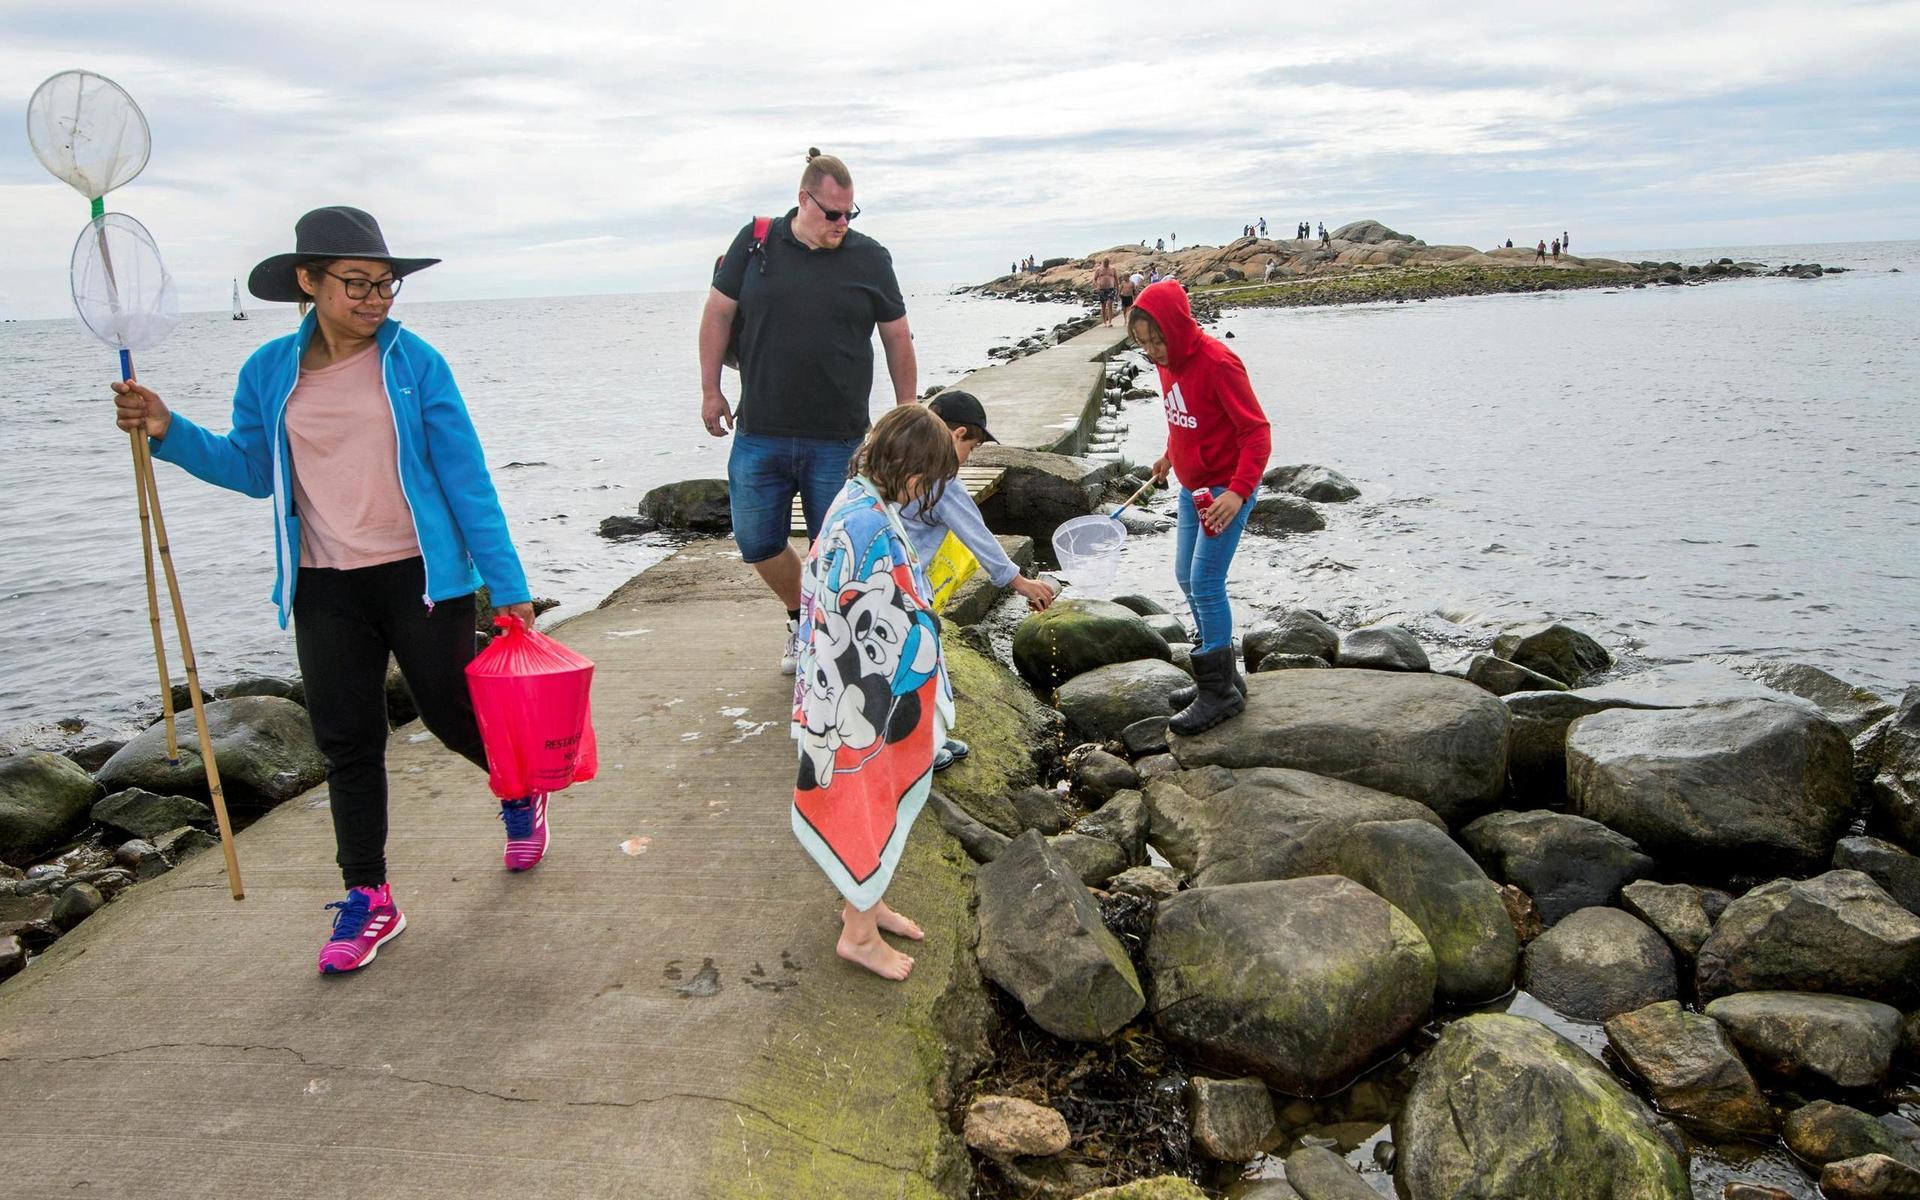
(764, 474)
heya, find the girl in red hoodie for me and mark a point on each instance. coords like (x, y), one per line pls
(1217, 439)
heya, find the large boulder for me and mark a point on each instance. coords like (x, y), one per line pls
(1323, 484)
(1263, 823)
(1896, 871)
(1825, 1041)
(1294, 631)
(142, 814)
(1599, 963)
(1896, 785)
(263, 746)
(1564, 862)
(1382, 648)
(1304, 982)
(1417, 868)
(1076, 636)
(1692, 1070)
(1744, 781)
(1505, 1109)
(1431, 738)
(1847, 705)
(1371, 233)
(1101, 703)
(1279, 515)
(1838, 932)
(1039, 492)
(44, 798)
(1042, 939)
(692, 506)
(1554, 650)
(1537, 752)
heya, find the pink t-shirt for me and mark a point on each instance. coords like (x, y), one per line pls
(346, 467)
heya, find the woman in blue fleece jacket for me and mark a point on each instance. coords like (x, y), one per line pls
(385, 524)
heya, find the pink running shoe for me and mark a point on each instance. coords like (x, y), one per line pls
(368, 920)
(526, 822)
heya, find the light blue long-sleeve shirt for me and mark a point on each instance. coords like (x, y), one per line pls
(957, 513)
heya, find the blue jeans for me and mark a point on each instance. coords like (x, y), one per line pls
(763, 476)
(1200, 565)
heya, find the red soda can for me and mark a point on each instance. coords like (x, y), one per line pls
(1202, 501)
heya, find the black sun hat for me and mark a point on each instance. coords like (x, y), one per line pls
(956, 407)
(337, 232)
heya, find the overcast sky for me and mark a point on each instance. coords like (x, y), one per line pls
(584, 147)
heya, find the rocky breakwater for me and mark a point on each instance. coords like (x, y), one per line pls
(1307, 921)
(1366, 262)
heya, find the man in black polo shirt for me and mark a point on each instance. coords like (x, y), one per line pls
(810, 297)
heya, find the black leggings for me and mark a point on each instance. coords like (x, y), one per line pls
(345, 623)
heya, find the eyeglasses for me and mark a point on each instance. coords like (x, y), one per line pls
(359, 287)
(831, 214)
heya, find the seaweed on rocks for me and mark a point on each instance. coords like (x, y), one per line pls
(1124, 1100)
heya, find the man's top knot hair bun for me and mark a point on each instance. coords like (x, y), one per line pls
(813, 152)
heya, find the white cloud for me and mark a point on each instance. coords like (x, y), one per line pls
(607, 148)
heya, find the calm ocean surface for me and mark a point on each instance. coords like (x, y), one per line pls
(1682, 471)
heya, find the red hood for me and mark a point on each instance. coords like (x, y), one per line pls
(1166, 303)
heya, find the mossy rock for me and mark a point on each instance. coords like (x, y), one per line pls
(44, 798)
(1160, 1187)
(1076, 636)
(1006, 728)
(1503, 1106)
(693, 505)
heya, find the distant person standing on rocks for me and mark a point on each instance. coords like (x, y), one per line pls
(1273, 264)
(1218, 440)
(1326, 242)
(387, 524)
(872, 704)
(1263, 227)
(1509, 243)
(810, 297)
(1129, 288)
(1556, 249)
(1540, 251)
(1106, 285)
(1160, 244)
(1566, 243)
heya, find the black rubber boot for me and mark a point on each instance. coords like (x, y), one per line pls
(1183, 696)
(1218, 698)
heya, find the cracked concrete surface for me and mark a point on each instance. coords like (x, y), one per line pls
(525, 1036)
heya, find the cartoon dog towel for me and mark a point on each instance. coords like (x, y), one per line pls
(871, 700)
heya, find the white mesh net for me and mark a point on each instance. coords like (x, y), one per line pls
(87, 131)
(121, 289)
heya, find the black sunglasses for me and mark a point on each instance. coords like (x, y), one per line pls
(358, 287)
(831, 214)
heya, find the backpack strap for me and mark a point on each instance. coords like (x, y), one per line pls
(761, 227)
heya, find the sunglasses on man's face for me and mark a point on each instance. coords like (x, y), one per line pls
(833, 214)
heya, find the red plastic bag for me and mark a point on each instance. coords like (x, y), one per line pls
(532, 697)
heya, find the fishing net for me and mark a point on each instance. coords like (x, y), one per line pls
(121, 289)
(88, 132)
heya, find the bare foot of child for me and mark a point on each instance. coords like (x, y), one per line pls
(875, 955)
(893, 922)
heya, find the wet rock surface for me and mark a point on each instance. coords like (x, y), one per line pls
(1677, 910)
(1504, 1107)
(1838, 932)
(142, 814)
(1417, 868)
(1840, 1041)
(1382, 648)
(44, 799)
(1557, 651)
(1896, 782)
(1824, 1132)
(1311, 481)
(1042, 939)
(1537, 756)
(263, 746)
(1598, 963)
(1232, 1118)
(1565, 863)
(1278, 515)
(692, 506)
(1504, 678)
(1293, 631)
(1430, 738)
(1746, 780)
(1303, 982)
(1076, 636)
(1317, 1173)
(1896, 871)
(1691, 1067)
(1870, 1177)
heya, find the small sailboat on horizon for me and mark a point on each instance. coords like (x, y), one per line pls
(239, 314)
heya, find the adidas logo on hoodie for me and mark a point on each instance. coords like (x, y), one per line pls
(1177, 413)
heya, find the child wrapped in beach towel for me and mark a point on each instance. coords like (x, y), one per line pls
(871, 699)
